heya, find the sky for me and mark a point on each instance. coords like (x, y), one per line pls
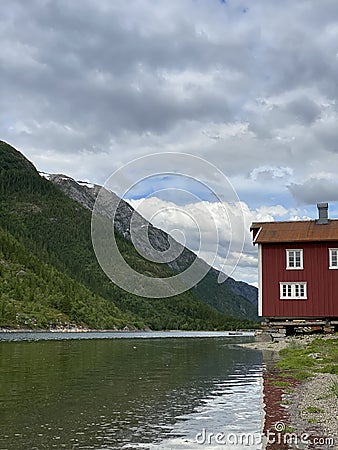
(249, 87)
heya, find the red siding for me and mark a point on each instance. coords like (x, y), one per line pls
(322, 283)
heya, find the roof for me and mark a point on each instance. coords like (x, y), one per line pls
(296, 231)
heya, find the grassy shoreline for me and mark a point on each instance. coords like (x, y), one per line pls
(320, 355)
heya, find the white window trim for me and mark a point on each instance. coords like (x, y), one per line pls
(260, 283)
(293, 284)
(301, 258)
(330, 259)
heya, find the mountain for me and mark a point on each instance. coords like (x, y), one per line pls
(34, 294)
(236, 298)
(49, 273)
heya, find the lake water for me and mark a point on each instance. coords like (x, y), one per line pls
(131, 393)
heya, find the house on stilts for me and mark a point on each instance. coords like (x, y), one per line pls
(298, 273)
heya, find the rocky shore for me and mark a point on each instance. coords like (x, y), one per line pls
(280, 344)
(314, 405)
(70, 329)
(317, 405)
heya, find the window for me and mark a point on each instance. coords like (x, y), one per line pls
(294, 259)
(293, 291)
(333, 258)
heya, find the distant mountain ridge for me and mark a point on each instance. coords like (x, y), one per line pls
(86, 194)
(50, 277)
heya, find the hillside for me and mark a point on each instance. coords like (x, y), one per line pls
(51, 236)
(35, 294)
(236, 298)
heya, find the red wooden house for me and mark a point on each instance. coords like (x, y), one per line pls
(298, 270)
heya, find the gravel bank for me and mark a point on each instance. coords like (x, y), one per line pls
(313, 406)
(278, 344)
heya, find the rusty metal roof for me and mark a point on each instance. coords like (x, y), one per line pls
(297, 231)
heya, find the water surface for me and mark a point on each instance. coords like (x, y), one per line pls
(127, 393)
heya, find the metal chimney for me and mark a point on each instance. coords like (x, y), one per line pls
(323, 216)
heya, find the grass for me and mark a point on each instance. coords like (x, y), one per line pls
(286, 402)
(313, 410)
(294, 345)
(281, 383)
(299, 361)
(324, 397)
(335, 389)
(313, 420)
(289, 391)
(330, 368)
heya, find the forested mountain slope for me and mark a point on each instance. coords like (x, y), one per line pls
(51, 275)
(234, 297)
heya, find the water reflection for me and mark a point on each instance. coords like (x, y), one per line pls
(128, 393)
(232, 408)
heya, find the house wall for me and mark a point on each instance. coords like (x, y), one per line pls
(322, 282)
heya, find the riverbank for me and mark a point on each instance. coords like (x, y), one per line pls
(70, 330)
(98, 335)
(315, 406)
(73, 329)
(313, 360)
(278, 345)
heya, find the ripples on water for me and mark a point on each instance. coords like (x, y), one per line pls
(127, 393)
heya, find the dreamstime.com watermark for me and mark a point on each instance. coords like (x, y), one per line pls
(279, 435)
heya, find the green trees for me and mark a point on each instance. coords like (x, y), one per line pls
(34, 294)
(49, 274)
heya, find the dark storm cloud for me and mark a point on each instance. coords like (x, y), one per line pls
(79, 65)
(314, 190)
(107, 67)
(303, 109)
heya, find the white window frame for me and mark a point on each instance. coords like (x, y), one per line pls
(292, 289)
(331, 250)
(288, 255)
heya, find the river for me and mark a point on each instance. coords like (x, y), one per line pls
(128, 391)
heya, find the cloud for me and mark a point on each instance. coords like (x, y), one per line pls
(251, 87)
(268, 174)
(303, 109)
(208, 228)
(314, 190)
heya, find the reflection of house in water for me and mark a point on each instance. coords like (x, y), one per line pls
(275, 413)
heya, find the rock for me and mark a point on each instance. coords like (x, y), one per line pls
(21, 274)
(263, 337)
